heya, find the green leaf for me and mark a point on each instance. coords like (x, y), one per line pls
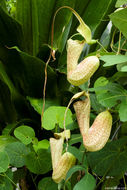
(73, 170)
(27, 15)
(123, 111)
(15, 36)
(25, 134)
(100, 12)
(55, 115)
(113, 59)
(79, 154)
(104, 162)
(8, 129)
(17, 152)
(87, 182)
(120, 2)
(75, 138)
(7, 109)
(46, 184)
(3, 4)
(29, 74)
(4, 162)
(37, 104)
(101, 81)
(5, 140)
(122, 67)
(42, 11)
(42, 161)
(43, 144)
(95, 104)
(5, 183)
(119, 19)
(110, 94)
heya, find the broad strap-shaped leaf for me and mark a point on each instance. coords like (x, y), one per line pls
(38, 15)
(27, 15)
(11, 31)
(28, 74)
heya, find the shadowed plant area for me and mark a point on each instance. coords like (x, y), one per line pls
(63, 94)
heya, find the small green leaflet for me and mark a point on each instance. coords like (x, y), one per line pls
(25, 134)
(43, 144)
(54, 115)
(113, 59)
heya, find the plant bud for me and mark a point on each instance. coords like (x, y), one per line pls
(95, 137)
(78, 74)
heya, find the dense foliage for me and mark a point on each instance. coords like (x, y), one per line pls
(25, 43)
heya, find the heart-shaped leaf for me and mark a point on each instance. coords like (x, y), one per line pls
(25, 134)
(55, 115)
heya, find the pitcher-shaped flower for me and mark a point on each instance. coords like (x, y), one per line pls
(78, 74)
(96, 136)
(61, 163)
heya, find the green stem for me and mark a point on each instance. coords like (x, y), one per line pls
(102, 46)
(118, 52)
(124, 182)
